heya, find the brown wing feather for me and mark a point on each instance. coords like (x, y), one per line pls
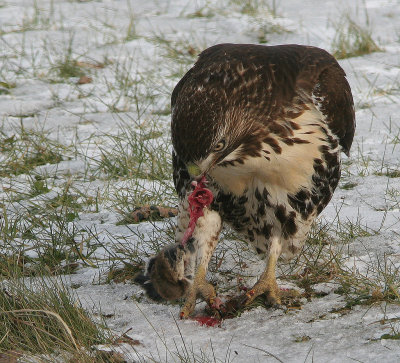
(337, 104)
(321, 76)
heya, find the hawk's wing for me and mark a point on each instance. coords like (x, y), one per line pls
(180, 173)
(336, 103)
(322, 77)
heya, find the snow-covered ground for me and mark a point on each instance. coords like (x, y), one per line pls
(135, 51)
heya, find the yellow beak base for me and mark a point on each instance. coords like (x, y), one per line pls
(193, 169)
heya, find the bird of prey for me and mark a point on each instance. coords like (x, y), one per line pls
(265, 125)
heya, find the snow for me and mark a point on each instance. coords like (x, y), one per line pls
(323, 329)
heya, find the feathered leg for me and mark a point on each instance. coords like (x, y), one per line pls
(200, 246)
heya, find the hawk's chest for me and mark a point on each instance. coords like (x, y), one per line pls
(281, 191)
(285, 163)
(254, 210)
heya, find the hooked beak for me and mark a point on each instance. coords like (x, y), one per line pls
(196, 171)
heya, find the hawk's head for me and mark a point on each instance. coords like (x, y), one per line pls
(217, 119)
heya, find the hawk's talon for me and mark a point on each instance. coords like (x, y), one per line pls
(187, 309)
(250, 293)
(199, 288)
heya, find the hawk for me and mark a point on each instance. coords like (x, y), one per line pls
(265, 125)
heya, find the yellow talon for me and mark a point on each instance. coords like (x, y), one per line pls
(199, 287)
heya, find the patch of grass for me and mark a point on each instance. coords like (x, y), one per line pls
(348, 186)
(136, 152)
(25, 149)
(379, 283)
(5, 87)
(182, 50)
(130, 90)
(266, 29)
(65, 200)
(15, 264)
(67, 65)
(391, 336)
(325, 259)
(38, 186)
(352, 40)
(255, 7)
(123, 274)
(131, 33)
(43, 318)
(264, 14)
(127, 253)
(69, 68)
(203, 12)
(39, 19)
(45, 231)
(318, 262)
(349, 231)
(389, 173)
(50, 245)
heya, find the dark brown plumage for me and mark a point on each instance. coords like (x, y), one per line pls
(266, 126)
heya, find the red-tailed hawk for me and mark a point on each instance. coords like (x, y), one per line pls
(265, 125)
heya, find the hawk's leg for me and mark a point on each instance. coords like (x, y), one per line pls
(266, 284)
(199, 249)
(200, 287)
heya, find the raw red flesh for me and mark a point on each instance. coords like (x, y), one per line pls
(198, 199)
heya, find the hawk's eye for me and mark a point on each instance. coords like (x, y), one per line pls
(220, 146)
